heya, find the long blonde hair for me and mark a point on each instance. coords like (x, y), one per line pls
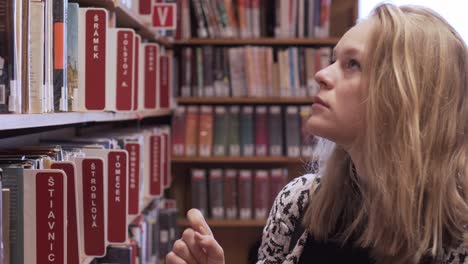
(414, 200)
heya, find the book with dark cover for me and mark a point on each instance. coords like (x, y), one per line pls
(307, 139)
(245, 185)
(208, 76)
(6, 224)
(275, 128)
(8, 58)
(293, 131)
(278, 180)
(221, 122)
(218, 71)
(247, 137)
(234, 131)
(230, 194)
(199, 191)
(261, 131)
(60, 55)
(186, 74)
(199, 69)
(205, 136)
(116, 254)
(261, 194)
(191, 126)
(216, 194)
(178, 131)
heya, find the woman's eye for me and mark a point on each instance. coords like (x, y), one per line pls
(353, 64)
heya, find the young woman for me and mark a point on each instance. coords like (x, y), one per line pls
(395, 187)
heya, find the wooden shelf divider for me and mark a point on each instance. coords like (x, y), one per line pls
(231, 160)
(258, 41)
(244, 100)
(228, 223)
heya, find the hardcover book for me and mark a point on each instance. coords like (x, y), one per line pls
(261, 194)
(245, 194)
(261, 131)
(205, 136)
(234, 131)
(247, 135)
(293, 130)
(275, 128)
(221, 122)
(199, 191)
(230, 193)
(216, 194)
(60, 55)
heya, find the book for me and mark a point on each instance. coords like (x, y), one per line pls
(234, 131)
(165, 81)
(293, 130)
(261, 194)
(5, 225)
(149, 94)
(221, 122)
(199, 190)
(216, 200)
(205, 136)
(178, 131)
(37, 214)
(192, 127)
(278, 179)
(60, 100)
(245, 191)
(230, 193)
(247, 131)
(261, 131)
(307, 139)
(72, 55)
(121, 254)
(275, 128)
(136, 74)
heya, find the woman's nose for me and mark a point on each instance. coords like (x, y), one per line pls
(324, 77)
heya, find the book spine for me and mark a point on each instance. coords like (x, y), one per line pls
(72, 56)
(151, 65)
(205, 136)
(178, 125)
(261, 131)
(192, 128)
(292, 131)
(221, 121)
(275, 131)
(230, 193)
(234, 131)
(8, 54)
(136, 73)
(216, 194)
(60, 55)
(199, 191)
(117, 196)
(247, 131)
(245, 194)
(262, 194)
(33, 100)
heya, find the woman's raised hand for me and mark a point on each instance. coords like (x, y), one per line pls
(197, 245)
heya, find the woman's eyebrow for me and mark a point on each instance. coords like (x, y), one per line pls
(348, 50)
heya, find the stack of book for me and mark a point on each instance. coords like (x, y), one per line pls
(236, 194)
(206, 131)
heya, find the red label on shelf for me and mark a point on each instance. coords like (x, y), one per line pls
(125, 39)
(117, 197)
(167, 179)
(145, 7)
(95, 83)
(164, 81)
(151, 55)
(164, 16)
(133, 177)
(50, 219)
(93, 207)
(155, 168)
(136, 73)
(72, 226)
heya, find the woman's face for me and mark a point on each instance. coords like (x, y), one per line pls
(338, 108)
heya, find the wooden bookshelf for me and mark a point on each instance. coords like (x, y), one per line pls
(259, 41)
(243, 160)
(126, 17)
(227, 223)
(245, 100)
(21, 121)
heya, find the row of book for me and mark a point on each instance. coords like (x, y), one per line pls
(236, 194)
(246, 130)
(59, 57)
(151, 236)
(70, 198)
(256, 18)
(250, 71)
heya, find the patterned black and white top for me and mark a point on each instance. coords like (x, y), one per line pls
(285, 216)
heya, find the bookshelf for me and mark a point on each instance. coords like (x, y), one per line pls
(32, 130)
(244, 100)
(248, 56)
